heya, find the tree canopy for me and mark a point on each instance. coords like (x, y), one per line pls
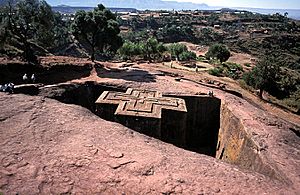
(176, 49)
(29, 20)
(218, 51)
(264, 75)
(32, 27)
(150, 49)
(98, 29)
(180, 52)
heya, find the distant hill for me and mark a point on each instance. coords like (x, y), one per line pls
(138, 4)
(292, 13)
(3, 2)
(71, 10)
(72, 5)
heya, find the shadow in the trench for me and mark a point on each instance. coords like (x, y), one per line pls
(129, 75)
(62, 74)
(197, 130)
(46, 75)
(199, 127)
(203, 124)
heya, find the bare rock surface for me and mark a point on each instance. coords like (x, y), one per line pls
(52, 148)
(47, 147)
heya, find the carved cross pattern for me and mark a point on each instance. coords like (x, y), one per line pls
(144, 103)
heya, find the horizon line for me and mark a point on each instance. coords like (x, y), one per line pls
(212, 7)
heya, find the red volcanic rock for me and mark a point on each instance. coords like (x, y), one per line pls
(48, 147)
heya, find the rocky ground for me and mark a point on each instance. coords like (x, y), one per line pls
(48, 147)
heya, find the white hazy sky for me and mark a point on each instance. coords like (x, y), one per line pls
(280, 4)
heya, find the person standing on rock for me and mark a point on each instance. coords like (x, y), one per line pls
(25, 78)
(10, 87)
(33, 78)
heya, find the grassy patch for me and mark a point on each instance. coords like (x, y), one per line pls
(216, 72)
(227, 69)
(291, 102)
(244, 85)
(247, 64)
(202, 59)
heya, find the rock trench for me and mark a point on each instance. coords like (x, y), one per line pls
(211, 128)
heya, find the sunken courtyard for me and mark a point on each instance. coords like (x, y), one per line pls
(168, 136)
(198, 123)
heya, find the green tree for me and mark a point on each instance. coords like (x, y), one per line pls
(174, 33)
(187, 55)
(28, 21)
(176, 49)
(151, 49)
(129, 49)
(180, 52)
(218, 51)
(207, 36)
(161, 48)
(3, 27)
(98, 29)
(61, 32)
(264, 75)
(45, 19)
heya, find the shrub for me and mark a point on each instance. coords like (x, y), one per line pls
(232, 70)
(244, 85)
(213, 61)
(176, 49)
(180, 52)
(201, 59)
(292, 102)
(233, 66)
(216, 71)
(151, 49)
(264, 75)
(218, 51)
(128, 50)
(247, 64)
(187, 55)
(249, 78)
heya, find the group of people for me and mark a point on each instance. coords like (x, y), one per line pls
(9, 87)
(26, 79)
